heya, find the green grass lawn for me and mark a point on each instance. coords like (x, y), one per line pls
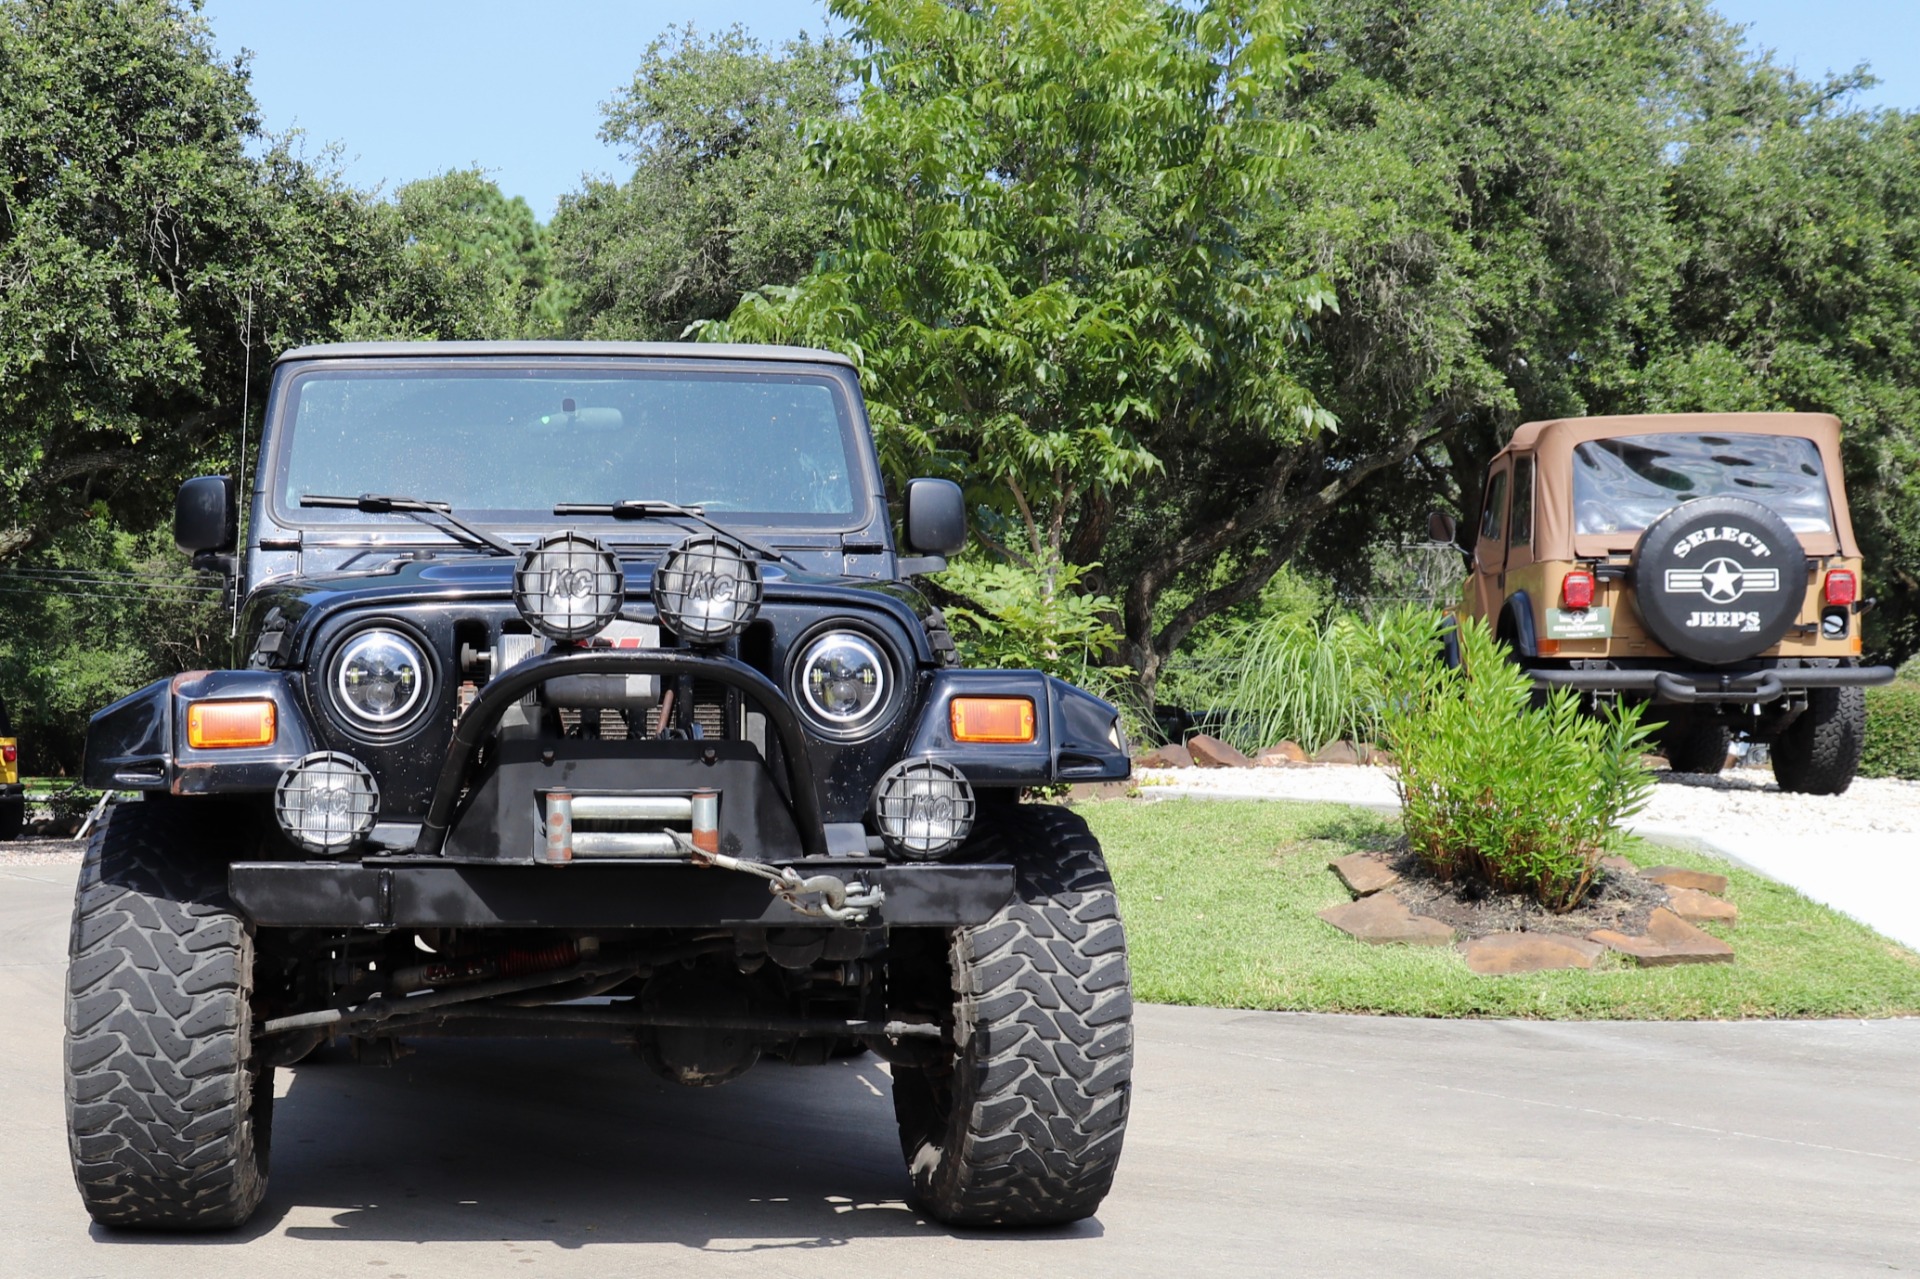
(1220, 901)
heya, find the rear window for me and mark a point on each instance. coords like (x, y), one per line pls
(1623, 484)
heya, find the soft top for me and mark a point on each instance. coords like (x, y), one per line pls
(626, 350)
(1552, 444)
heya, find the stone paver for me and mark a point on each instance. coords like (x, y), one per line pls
(1529, 953)
(1697, 907)
(1363, 873)
(1669, 940)
(1383, 918)
(1211, 752)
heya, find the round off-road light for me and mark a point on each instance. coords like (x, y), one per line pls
(326, 801)
(842, 682)
(707, 590)
(568, 587)
(380, 679)
(924, 808)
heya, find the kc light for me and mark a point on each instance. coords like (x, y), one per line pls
(213, 725)
(380, 679)
(568, 587)
(707, 590)
(326, 802)
(924, 808)
(843, 681)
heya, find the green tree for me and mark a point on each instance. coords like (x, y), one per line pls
(141, 246)
(451, 257)
(1049, 270)
(721, 199)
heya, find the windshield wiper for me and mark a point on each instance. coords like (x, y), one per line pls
(649, 509)
(424, 511)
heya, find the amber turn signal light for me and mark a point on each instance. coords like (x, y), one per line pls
(212, 725)
(992, 719)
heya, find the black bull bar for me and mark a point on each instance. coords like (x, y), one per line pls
(516, 682)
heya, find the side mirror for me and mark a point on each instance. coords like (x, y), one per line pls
(936, 517)
(204, 515)
(1440, 527)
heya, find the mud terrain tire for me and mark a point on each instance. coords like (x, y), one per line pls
(1819, 752)
(1024, 1126)
(168, 1114)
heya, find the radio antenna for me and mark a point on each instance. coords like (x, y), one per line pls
(240, 469)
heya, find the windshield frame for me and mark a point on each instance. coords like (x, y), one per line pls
(868, 505)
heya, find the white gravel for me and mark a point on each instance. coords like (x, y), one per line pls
(1858, 852)
(1730, 804)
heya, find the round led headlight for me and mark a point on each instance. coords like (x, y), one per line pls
(707, 590)
(326, 801)
(924, 808)
(380, 679)
(841, 679)
(568, 587)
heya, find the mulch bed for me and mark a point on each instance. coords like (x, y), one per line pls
(1617, 900)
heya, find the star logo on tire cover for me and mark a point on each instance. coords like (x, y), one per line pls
(1722, 580)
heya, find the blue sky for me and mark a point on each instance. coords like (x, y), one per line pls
(409, 88)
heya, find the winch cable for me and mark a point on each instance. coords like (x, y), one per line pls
(841, 902)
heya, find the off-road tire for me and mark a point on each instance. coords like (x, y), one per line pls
(1024, 1127)
(1696, 748)
(1819, 752)
(168, 1112)
(13, 818)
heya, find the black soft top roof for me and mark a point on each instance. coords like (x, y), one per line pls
(628, 350)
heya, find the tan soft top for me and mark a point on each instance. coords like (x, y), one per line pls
(1551, 444)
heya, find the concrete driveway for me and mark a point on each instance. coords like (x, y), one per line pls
(1262, 1144)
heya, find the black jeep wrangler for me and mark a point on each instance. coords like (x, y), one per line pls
(581, 689)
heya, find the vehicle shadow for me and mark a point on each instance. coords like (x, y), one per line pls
(576, 1143)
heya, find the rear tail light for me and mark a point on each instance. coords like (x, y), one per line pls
(1842, 587)
(10, 752)
(1576, 589)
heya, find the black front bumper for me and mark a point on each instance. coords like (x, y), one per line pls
(407, 894)
(1755, 687)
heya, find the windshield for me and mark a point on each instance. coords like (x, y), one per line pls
(506, 444)
(1623, 484)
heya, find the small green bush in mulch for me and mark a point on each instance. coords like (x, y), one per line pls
(1893, 731)
(1493, 790)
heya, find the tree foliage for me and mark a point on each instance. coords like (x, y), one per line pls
(1048, 270)
(722, 198)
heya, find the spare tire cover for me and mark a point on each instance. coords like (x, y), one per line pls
(1719, 579)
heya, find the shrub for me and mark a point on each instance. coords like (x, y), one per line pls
(1299, 681)
(1493, 790)
(1893, 731)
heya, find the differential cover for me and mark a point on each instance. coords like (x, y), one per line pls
(1719, 579)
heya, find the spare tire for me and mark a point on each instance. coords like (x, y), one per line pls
(1719, 579)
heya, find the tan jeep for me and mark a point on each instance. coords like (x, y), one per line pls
(1703, 562)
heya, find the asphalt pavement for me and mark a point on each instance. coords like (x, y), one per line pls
(1261, 1144)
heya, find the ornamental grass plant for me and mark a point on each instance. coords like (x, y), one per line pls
(1495, 790)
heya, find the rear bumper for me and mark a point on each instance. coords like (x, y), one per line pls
(583, 895)
(11, 791)
(1701, 686)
